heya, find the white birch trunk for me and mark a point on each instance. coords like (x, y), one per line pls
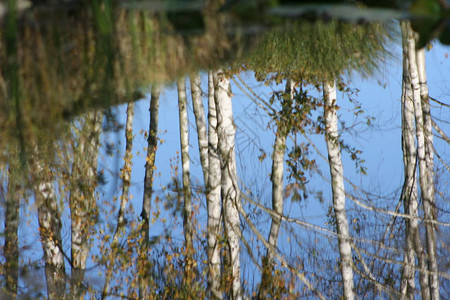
(152, 141)
(277, 189)
(427, 190)
(126, 182)
(83, 208)
(213, 197)
(277, 177)
(430, 206)
(184, 144)
(338, 190)
(200, 121)
(279, 150)
(409, 192)
(126, 170)
(50, 231)
(226, 130)
(151, 155)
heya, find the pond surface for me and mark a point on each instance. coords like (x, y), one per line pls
(178, 149)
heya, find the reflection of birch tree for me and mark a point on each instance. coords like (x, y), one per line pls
(126, 182)
(338, 190)
(213, 195)
(111, 56)
(49, 217)
(82, 199)
(426, 170)
(200, 121)
(279, 150)
(184, 142)
(416, 116)
(226, 130)
(409, 192)
(152, 143)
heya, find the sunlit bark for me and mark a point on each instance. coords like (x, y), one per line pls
(200, 121)
(11, 247)
(279, 150)
(213, 196)
(429, 200)
(226, 130)
(152, 143)
(409, 192)
(425, 174)
(184, 142)
(126, 182)
(82, 201)
(49, 229)
(338, 190)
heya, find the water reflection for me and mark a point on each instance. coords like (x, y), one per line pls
(63, 60)
(65, 66)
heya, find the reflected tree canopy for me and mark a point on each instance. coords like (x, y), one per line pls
(69, 69)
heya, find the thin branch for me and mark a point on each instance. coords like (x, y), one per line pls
(440, 158)
(253, 99)
(439, 102)
(369, 207)
(441, 132)
(301, 277)
(255, 95)
(392, 261)
(316, 228)
(250, 253)
(369, 276)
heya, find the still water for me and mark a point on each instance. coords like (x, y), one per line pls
(177, 149)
